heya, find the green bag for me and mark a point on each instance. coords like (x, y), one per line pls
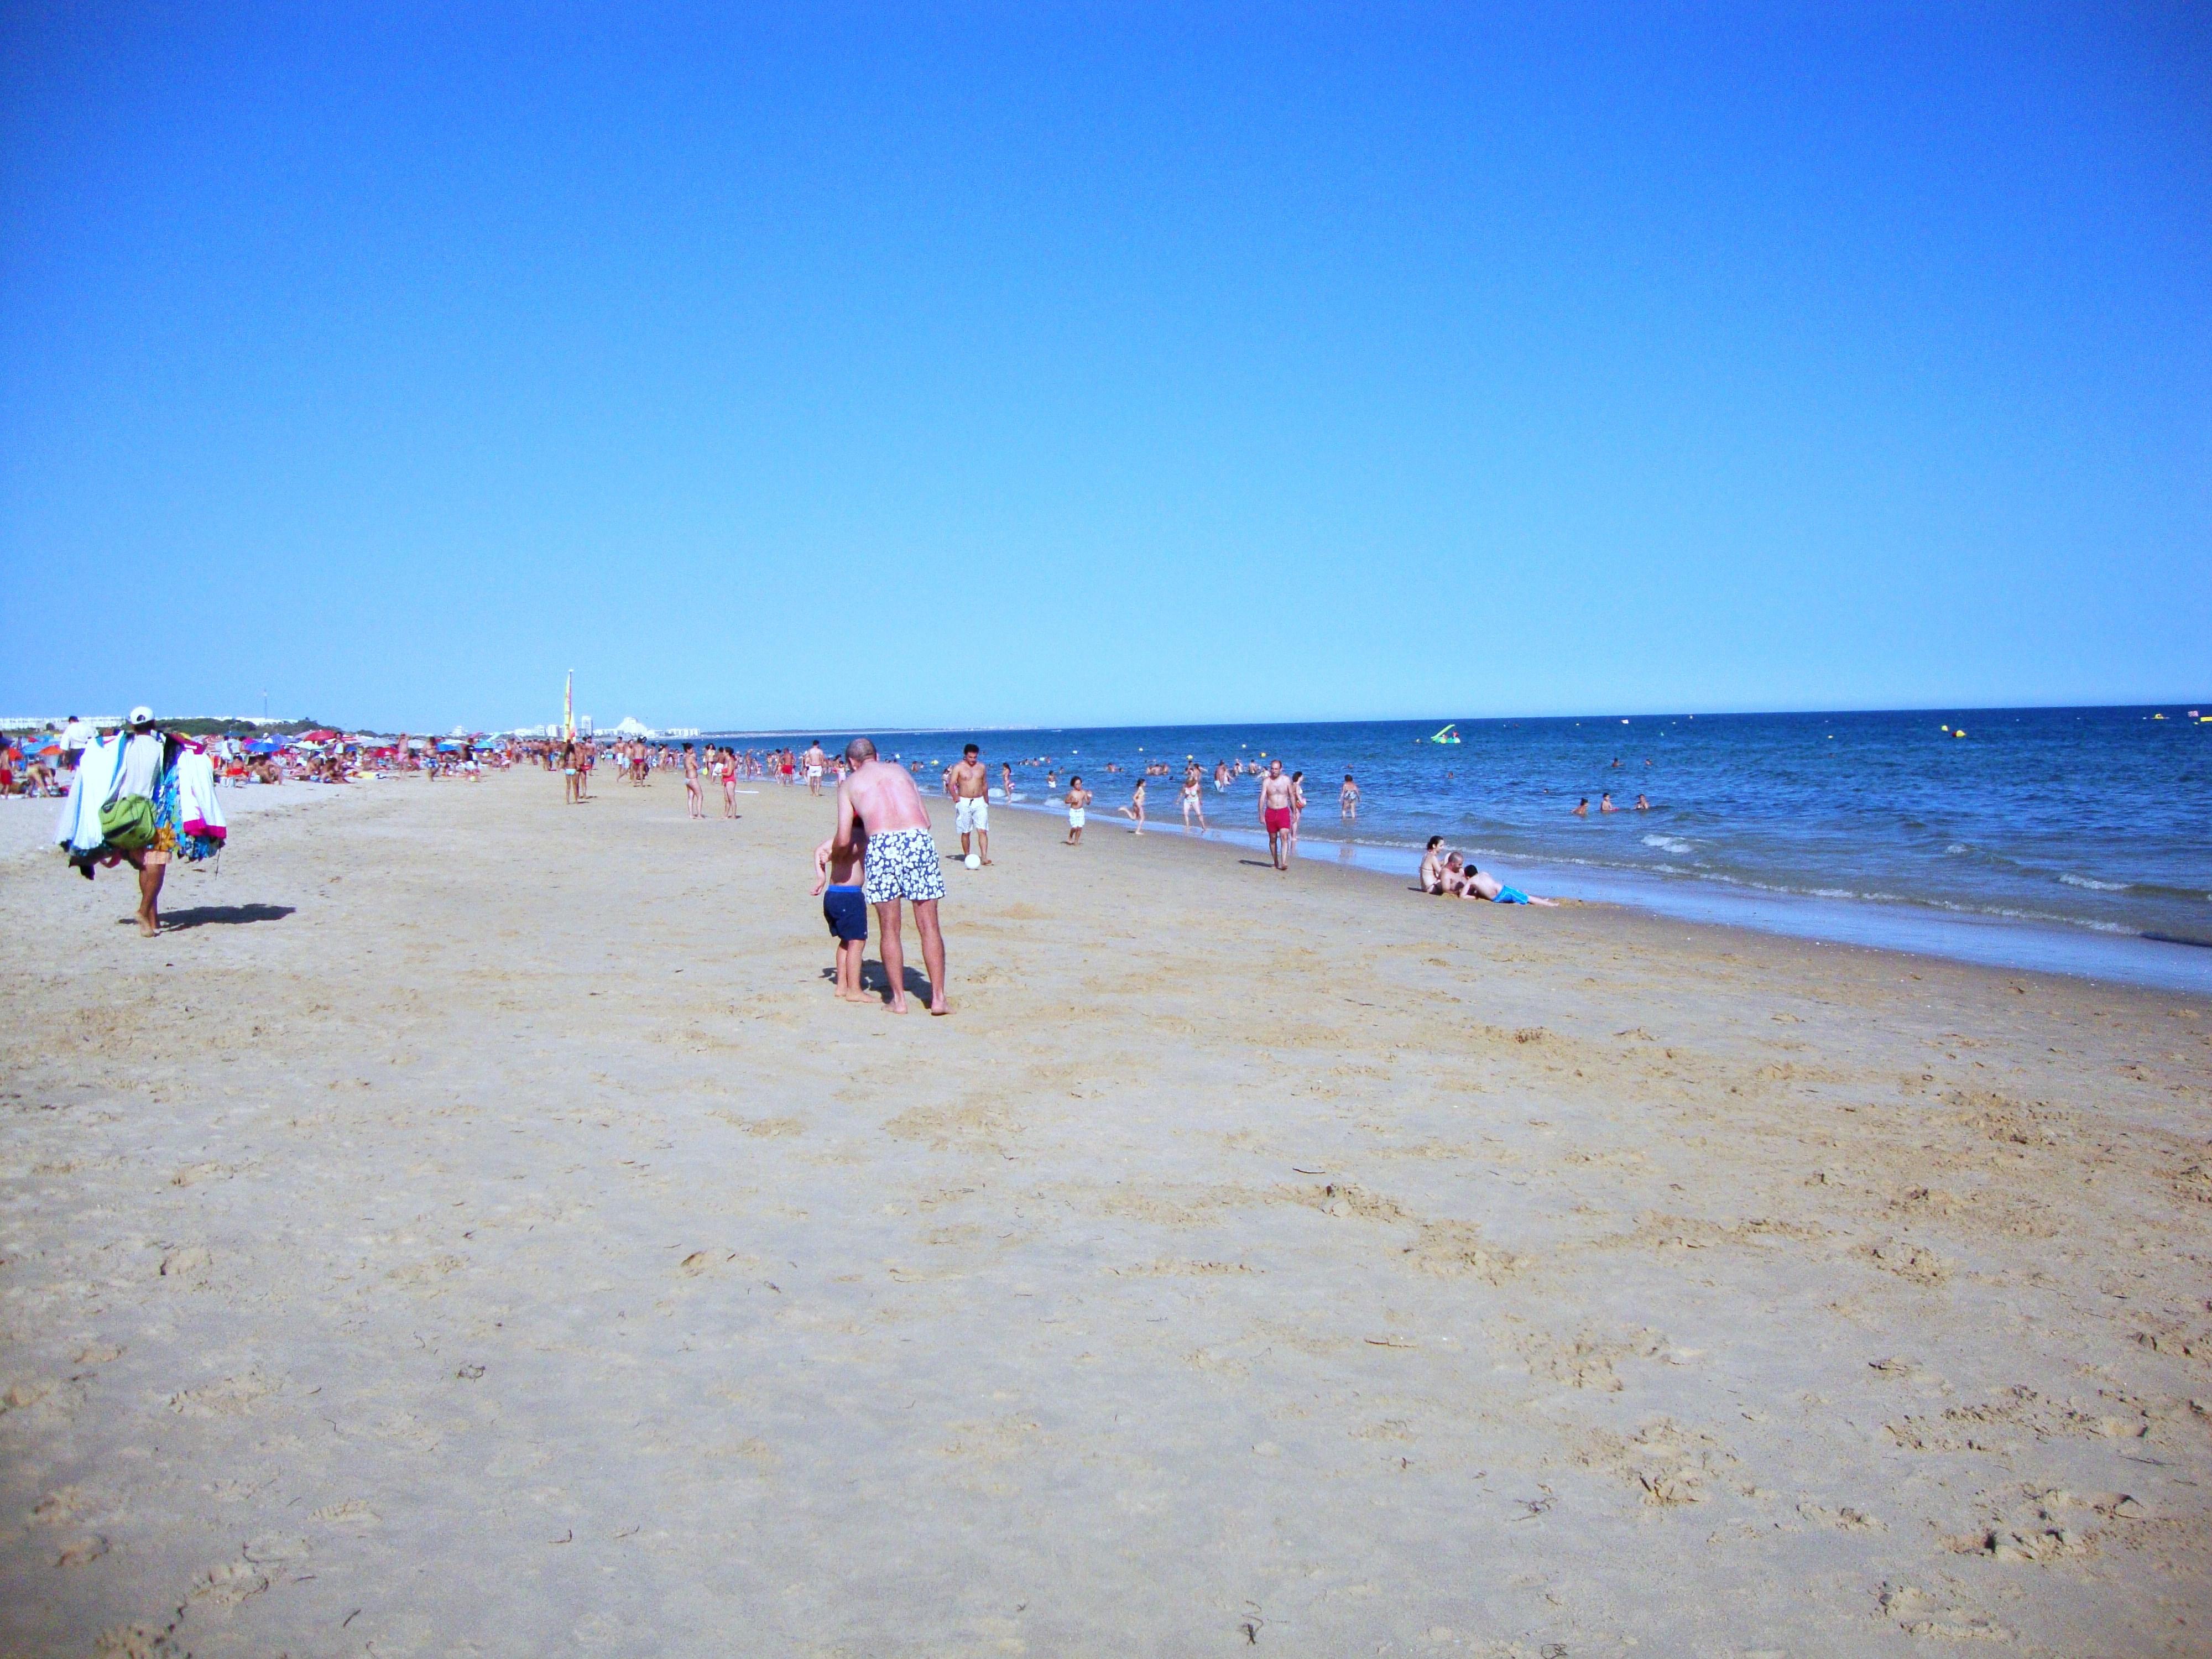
(127, 823)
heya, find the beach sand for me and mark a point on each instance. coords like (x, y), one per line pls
(481, 1231)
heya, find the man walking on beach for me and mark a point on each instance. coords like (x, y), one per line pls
(815, 758)
(901, 864)
(969, 786)
(1277, 793)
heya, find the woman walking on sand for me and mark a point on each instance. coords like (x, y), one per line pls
(1135, 809)
(728, 768)
(695, 798)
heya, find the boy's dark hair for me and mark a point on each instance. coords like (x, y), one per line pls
(971, 749)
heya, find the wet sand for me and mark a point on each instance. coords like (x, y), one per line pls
(480, 1231)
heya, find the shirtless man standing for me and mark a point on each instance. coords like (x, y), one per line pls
(815, 758)
(969, 786)
(902, 863)
(1277, 792)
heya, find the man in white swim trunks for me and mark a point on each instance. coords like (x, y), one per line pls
(969, 786)
(902, 863)
(815, 758)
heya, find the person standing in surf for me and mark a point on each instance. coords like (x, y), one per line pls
(1277, 796)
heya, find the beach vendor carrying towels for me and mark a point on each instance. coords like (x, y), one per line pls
(142, 797)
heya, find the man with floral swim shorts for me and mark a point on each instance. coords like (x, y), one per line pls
(902, 863)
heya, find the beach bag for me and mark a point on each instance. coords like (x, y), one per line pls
(126, 823)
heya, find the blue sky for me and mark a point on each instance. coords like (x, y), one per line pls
(883, 367)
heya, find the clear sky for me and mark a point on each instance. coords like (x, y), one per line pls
(1056, 365)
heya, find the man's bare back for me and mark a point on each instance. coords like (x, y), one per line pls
(883, 797)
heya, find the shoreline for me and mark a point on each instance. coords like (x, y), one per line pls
(1623, 921)
(2002, 943)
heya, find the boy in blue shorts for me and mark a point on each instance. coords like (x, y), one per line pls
(838, 876)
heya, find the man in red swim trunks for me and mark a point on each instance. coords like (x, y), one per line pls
(1276, 794)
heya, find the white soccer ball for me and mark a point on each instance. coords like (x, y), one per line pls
(974, 860)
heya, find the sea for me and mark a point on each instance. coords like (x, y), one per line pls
(2075, 841)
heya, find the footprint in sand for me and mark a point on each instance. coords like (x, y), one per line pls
(1914, 1263)
(78, 1552)
(227, 1585)
(187, 1262)
(232, 1396)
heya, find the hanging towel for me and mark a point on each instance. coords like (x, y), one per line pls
(196, 803)
(91, 788)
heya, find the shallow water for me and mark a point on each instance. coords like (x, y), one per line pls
(2073, 839)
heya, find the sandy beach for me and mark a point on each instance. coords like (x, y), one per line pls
(475, 1228)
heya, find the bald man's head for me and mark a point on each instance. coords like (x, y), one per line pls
(860, 751)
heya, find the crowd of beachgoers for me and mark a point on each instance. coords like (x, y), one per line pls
(39, 763)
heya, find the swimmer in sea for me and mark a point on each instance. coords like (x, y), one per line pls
(1605, 804)
(1347, 798)
(1582, 807)
(1641, 805)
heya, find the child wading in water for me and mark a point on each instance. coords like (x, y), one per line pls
(1077, 798)
(838, 878)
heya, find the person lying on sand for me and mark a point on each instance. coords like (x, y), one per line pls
(1480, 883)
